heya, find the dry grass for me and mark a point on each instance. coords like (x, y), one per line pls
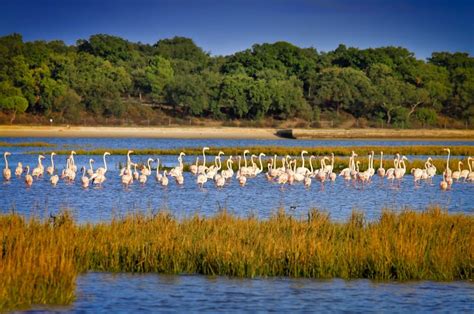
(40, 259)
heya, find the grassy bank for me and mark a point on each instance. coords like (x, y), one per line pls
(281, 151)
(40, 259)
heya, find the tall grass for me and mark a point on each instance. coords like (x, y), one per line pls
(40, 260)
(282, 151)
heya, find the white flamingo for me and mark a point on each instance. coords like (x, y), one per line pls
(38, 171)
(202, 168)
(19, 169)
(28, 177)
(381, 170)
(90, 171)
(50, 169)
(7, 173)
(84, 179)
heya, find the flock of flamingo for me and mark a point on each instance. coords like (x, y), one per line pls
(288, 173)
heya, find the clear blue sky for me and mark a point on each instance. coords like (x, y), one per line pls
(224, 27)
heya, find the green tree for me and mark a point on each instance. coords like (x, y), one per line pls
(158, 74)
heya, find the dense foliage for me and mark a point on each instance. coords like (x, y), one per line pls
(108, 76)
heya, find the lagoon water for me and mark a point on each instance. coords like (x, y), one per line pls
(104, 292)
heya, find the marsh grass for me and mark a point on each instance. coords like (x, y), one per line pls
(41, 259)
(27, 144)
(283, 151)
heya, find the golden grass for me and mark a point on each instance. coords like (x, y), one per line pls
(283, 151)
(40, 259)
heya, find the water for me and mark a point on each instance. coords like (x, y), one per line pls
(258, 197)
(105, 292)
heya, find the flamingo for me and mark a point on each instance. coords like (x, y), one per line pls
(158, 176)
(73, 164)
(103, 170)
(127, 177)
(457, 174)
(203, 167)
(447, 171)
(381, 170)
(84, 179)
(220, 181)
(54, 179)
(19, 169)
(242, 180)
(178, 169)
(307, 180)
(147, 170)
(50, 169)
(90, 171)
(194, 168)
(259, 170)
(38, 171)
(201, 179)
(302, 169)
(28, 177)
(465, 172)
(229, 173)
(7, 173)
(180, 179)
(136, 175)
(142, 178)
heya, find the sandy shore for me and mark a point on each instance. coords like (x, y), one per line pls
(139, 132)
(228, 133)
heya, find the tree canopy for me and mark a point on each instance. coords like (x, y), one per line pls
(104, 74)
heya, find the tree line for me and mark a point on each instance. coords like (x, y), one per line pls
(107, 76)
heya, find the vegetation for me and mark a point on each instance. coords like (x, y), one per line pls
(106, 78)
(283, 151)
(27, 144)
(40, 259)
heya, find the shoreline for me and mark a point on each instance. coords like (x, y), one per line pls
(231, 133)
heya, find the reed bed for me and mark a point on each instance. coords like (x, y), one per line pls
(41, 259)
(283, 151)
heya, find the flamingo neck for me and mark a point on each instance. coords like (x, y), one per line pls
(381, 160)
(105, 163)
(157, 167)
(6, 161)
(302, 159)
(245, 160)
(260, 160)
(204, 158)
(311, 164)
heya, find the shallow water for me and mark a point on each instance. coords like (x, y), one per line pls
(105, 292)
(258, 197)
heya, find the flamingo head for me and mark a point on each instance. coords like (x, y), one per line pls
(404, 158)
(129, 152)
(205, 148)
(262, 155)
(304, 152)
(20, 164)
(182, 154)
(246, 151)
(221, 153)
(7, 154)
(41, 157)
(149, 159)
(107, 153)
(91, 160)
(73, 152)
(447, 149)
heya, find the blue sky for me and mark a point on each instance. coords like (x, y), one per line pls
(224, 27)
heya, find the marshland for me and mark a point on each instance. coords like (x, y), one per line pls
(266, 234)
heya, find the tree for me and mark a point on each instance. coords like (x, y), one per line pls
(13, 104)
(344, 88)
(158, 74)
